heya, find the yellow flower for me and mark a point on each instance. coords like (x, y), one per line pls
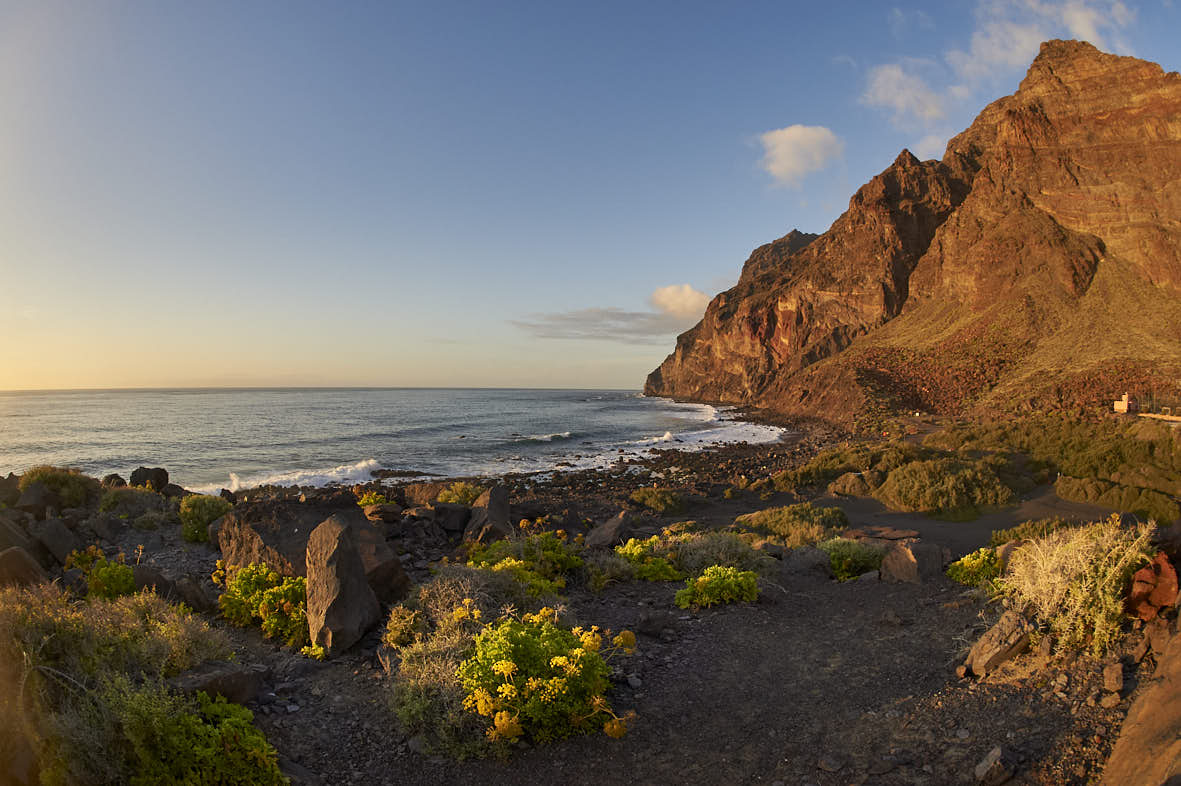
(507, 691)
(460, 614)
(615, 728)
(481, 701)
(627, 640)
(591, 641)
(507, 726)
(559, 662)
(505, 668)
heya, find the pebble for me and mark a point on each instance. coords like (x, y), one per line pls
(634, 682)
(1109, 701)
(293, 708)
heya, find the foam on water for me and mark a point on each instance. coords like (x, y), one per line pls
(347, 474)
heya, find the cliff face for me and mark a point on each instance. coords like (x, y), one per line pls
(1044, 246)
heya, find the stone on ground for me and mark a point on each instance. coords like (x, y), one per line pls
(341, 606)
(18, 567)
(490, 517)
(611, 533)
(234, 681)
(1148, 750)
(912, 563)
(1008, 638)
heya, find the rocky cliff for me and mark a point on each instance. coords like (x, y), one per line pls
(1038, 263)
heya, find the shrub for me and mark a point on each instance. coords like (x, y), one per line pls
(978, 569)
(797, 525)
(1145, 503)
(658, 500)
(604, 567)
(647, 563)
(693, 552)
(130, 501)
(540, 562)
(430, 637)
(104, 578)
(718, 584)
(531, 677)
(372, 498)
(1027, 530)
(257, 594)
(851, 558)
(1075, 580)
(65, 668)
(72, 487)
(943, 486)
(197, 512)
(461, 492)
(830, 464)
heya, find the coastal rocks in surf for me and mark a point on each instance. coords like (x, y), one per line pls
(341, 605)
(155, 478)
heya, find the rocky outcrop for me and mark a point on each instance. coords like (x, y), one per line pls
(1037, 263)
(155, 478)
(274, 532)
(912, 563)
(341, 606)
(612, 532)
(1148, 750)
(18, 568)
(490, 519)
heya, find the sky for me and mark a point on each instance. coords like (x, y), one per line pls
(458, 194)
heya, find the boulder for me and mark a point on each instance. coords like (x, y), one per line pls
(383, 569)
(113, 481)
(191, 592)
(1154, 587)
(452, 516)
(388, 513)
(36, 499)
(612, 532)
(807, 561)
(57, 539)
(10, 490)
(173, 491)
(150, 577)
(236, 682)
(155, 478)
(341, 606)
(418, 494)
(107, 525)
(1008, 638)
(228, 496)
(18, 567)
(491, 518)
(912, 563)
(273, 531)
(12, 535)
(1148, 749)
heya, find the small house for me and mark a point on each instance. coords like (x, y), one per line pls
(1127, 404)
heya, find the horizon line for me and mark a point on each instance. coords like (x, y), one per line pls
(294, 387)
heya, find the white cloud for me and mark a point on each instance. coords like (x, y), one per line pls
(930, 146)
(677, 308)
(680, 300)
(998, 45)
(906, 94)
(791, 153)
(904, 22)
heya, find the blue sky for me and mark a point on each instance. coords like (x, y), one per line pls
(460, 194)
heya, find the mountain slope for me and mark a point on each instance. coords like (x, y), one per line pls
(1037, 264)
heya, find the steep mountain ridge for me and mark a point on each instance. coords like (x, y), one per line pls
(1037, 264)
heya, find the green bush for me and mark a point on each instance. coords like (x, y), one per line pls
(461, 492)
(648, 564)
(64, 671)
(72, 487)
(659, 500)
(197, 512)
(606, 567)
(944, 486)
(104, 578)
(256, 594)
(718, 584)
(1145, 503)
(130, 502)
(531, 677)
(796, 525)
(830, 464)
(851, 558)
(693, 552)
(1075, 580)
(199, 740)
(1027, 530)
(540, 562)
(372, 498)
(979, 569)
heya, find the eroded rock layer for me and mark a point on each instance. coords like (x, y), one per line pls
(1038, 263)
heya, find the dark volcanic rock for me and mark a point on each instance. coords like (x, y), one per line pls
(1006, 639)
(274, 532)
(341, 606)
(912, 563)
(9, 490)
(113, 481)
(491, 517)
(1148, 749)
(36, 499)
(19, 568)
(234, 681)
(155, 478)
(57, 539)
(613, 532)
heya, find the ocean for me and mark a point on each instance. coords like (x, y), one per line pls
(237, 438)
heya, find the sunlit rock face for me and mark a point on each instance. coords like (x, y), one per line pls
(1045, 246)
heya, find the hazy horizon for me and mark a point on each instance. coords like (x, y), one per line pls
(502, 196)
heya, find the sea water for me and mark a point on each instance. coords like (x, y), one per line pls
(237, 438)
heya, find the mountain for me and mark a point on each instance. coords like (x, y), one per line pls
(1037, 265)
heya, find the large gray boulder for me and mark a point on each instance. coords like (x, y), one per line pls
(17, 567)
(155, 478)
(491, 517)
(57, 538)
(37, 499)
(383, 569)
(419, 494)
(274, 532)
(912, 563)
(612, 532)
(11, 534)
(341, 606)
(1005, 640)
(452, 516)
(1148, 750)
(10, 489)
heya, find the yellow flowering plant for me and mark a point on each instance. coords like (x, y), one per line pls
(532, 677)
